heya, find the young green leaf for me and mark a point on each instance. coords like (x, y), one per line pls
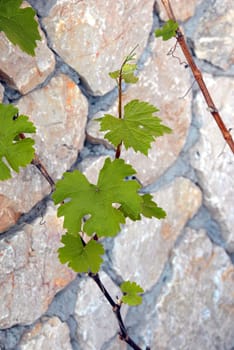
(168, 31)
(14, 152)
(150, 208)
(79, 257)
(131, 292)
(127, 73)
(137, 129)
(19, 25)
(96, 202)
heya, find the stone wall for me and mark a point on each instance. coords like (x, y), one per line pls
(185, 261)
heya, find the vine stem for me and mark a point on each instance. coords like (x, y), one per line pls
(198, 76)
(118, 149)
(116, 308)
(40, 166)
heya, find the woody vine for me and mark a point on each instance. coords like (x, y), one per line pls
(93, 211)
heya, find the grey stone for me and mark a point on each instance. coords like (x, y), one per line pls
(22, 71)
(162, 83)
(195, 309)
(30, 272)
(214, 34)
(94, 36)
(49, 334)
(96, 321)
(213, 159)
(91, 168)
(59, 112)
(143, 247)
(43, 6)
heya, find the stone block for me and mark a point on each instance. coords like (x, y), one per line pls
(1, 92)
(22, 71)
(212, 157)
(143, 247)
(214, 33)
(30, 272)
(195, 309)
(93, 36)
(49, 334)
(59, 112)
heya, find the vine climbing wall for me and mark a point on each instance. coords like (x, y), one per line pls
(185, 262)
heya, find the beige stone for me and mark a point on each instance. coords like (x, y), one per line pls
(212, 157)
(22, 71)
(162, 83)
(183, 9)
(49, 334)
(96, 321)
(196, 308)
(143, 247)
(59, 112)
(1, 92)
(116, 344)
(94, 36)
(30, 272)
(214, 33)
(8, 214)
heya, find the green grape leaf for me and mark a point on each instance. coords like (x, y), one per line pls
(137, 129)
(150, 208)
(114, 74)
(168, 31)
(97, 203)
(131, 292)
(19, 25)
(14, 152)
(79, 257)
(127, 73)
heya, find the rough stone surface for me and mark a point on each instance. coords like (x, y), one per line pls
(1, 92)
(43, 6)
(153, 239)
(116, 344)
(182, 9)
(59, 112)
(196, 309)
(22, 71)
(107, 30)
(188, 302)
(30, 272)
(91, 168)
(50, 334)
(8, 213)
(96, 322)
(214, 34)
(213, 160)
(162, 83)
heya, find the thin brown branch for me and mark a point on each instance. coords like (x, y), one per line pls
(116, 308)
(198, 76)
(40, 166)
